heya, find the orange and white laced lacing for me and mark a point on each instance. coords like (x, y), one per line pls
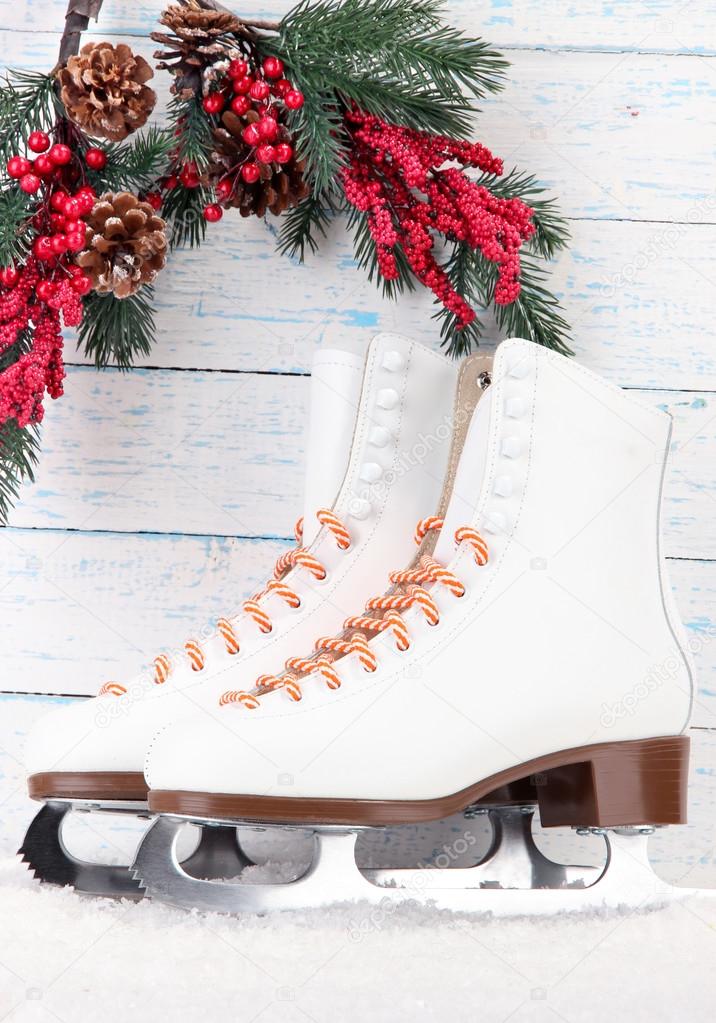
(278, 586)
(409, 592)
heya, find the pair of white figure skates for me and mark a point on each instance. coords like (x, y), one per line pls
(526, 654)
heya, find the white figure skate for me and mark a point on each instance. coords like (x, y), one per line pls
(378, 450)
(498, 662)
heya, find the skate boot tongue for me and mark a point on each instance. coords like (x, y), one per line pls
(336, 380)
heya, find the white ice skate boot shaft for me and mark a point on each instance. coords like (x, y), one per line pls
(545, 610)
(367, 468)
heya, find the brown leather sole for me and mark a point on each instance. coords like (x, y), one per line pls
(606, 785)
(87, 785)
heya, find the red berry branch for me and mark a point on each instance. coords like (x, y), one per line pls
(407, 184)
(45, 293)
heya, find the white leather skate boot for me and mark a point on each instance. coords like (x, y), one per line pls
(378, 450)
(508, 657)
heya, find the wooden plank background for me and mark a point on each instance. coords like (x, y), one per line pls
(166, 493)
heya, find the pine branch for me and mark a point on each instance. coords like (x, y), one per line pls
(446, 57)
(393, 58)
(408, 37)
(535, 314)
(27, 103)
(418, 105)
(15, 225)
(192, 131)
(19, 452)
(318, 129)
(183, 210)
(116, 331)
(552, 232)
(135, 165)
(302, 224)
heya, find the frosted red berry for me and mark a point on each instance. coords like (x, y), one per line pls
(266, 153)
(38, 141)
(82, 284)
(237, 68)
(60, 154)
(30, 183)
(213, 213)
(42, 247)
(96, 159)
(250, 135)
(17, 166)
(273, 67)
(294, 99)
(9, 276)
(284, 152)
(213, 103)
(250, 173)
(242, 85)
(267, 128)
(241, 105)
(259, 90)
(43, 165)
(189, 176)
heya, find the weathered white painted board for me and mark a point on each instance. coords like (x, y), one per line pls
(598, 24)
(683, 855)
(79, 609)
(591, 126)
(221, 453)
(640, 298)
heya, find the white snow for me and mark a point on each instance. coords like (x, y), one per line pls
(76, 959)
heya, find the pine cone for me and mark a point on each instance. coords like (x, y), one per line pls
(104, 90)
(126, 244)
(198, 37)
(280, 185)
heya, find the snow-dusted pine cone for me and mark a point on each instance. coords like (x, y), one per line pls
(197, 37)
(279, 186)
(125, 245)
(104, 90)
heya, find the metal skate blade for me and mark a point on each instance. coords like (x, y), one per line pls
(217, 854)
(47, 857)
(513, 860)
(627, 881)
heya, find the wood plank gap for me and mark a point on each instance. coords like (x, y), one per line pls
(503, 47)
(276, 537)
(199, 369)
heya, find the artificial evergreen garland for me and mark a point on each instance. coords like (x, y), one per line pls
(360, 107)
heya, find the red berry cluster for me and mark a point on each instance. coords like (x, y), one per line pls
(23, 384)
(61, 230)
(266, 91)
(44, 294)
(48, 162)
(397, 176)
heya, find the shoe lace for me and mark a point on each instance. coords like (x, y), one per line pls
(385, 612)
(298, 555)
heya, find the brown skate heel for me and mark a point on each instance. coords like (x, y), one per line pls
(618, 784)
